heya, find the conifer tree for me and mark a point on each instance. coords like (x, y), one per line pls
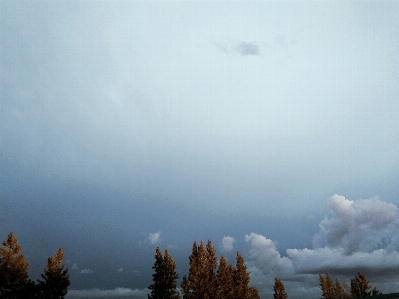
(327, 286)
(360, 286)
(211, 265)
(224, 277)
(331, 290)
(241, 280)
(13, 269)
(55, 281)
(279, 289)
(164, 278)
(201, 280)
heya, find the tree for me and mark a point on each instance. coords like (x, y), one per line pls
(224, 276)
(55, 281)
(241, 281)
(360, 286)
(201, 280)
(13, 269)
(279, 290)
(331, 290)
(164, 278)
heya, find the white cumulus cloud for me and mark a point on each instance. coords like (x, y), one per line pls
(265, 256)
(154, 237)
(361, 235)
(227, 243)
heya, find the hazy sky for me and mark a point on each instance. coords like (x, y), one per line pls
(271, 128)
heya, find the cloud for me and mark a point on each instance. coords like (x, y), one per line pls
(154, 237)
(364, 225)
(243, 48)
(360, 236)
(116, 293)
(266, 258)
(120, 269)
(75, 266)
(247, 48)
(227, 243)
(86, 271)
(313, 261)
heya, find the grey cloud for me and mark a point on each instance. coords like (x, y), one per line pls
(368, 224)
(375, 252)
(116, 293)
(247, 48)
(243, 48)
(86, 271)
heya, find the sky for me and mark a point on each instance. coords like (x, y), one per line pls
(270, 128)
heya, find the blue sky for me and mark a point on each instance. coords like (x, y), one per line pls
(269, 127)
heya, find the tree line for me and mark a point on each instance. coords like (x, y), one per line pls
(359, 288)
(207, 278)
(14, 278)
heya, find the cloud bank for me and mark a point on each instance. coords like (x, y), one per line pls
(118, 293)
(361, 235)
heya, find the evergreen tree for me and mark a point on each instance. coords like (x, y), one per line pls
(55, 281)
(13, 269)
(201, 280)
(241, 280)
(331, 290)
(360, 286)
(279, 290)
(164, 278)
(211, 265)
(224, 277)
(375, 292)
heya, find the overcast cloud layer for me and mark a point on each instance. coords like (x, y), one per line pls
(130, 125)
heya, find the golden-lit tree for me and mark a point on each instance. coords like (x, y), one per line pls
(201, 280)
(360, 286)
(55, 281)
(13, 269)
(331, 290)
(241, 280)
(224, 277)
(279, 289)
(165, 277)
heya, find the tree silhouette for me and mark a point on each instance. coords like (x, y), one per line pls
(55, 281)
(13, 269)
(164, 278)
(279, 289)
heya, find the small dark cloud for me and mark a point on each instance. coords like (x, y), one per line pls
(242, 48)
(247, 49)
